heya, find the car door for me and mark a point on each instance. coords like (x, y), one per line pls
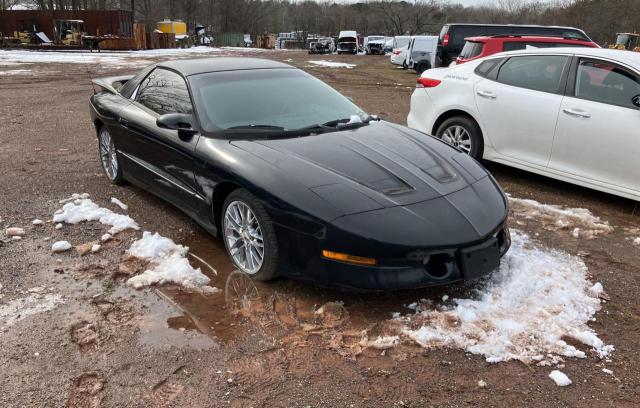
(164, 157)
(519, 108)
(598, 135)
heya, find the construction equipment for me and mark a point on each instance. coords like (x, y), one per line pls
(69, 32)
(627, 41)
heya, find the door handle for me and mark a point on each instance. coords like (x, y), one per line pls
(576, 112)
(123, 122)
(487, 94)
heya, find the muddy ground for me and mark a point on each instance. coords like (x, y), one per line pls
(108, 345)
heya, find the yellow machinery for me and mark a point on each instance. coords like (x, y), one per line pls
(69, 32)
(627, 41)
(24, 37)
(176, 27)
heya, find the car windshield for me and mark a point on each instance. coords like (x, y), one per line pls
(268, 99)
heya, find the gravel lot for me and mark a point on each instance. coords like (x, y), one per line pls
(104, 344)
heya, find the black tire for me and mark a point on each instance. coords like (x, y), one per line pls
(471, 127)
(268, 269)
(422, 66)
(404, 65)
(114, 175)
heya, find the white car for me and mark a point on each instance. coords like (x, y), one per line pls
(399, 55)
(568, 113)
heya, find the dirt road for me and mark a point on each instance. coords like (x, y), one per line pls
(73, 333)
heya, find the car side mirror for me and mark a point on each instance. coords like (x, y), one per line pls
(182, 122)
(636, 101)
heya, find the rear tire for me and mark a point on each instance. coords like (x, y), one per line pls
(464, 133)
(247, 228)
(423, 66)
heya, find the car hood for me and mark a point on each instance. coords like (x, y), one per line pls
(380, 165)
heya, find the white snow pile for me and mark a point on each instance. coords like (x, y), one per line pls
(18, 309)
(636, 241)
(83, 209)
(522, 312)
(580, 221)
(329, 64)
(560, 378)
(119, 203)
(61, 246)
(167, 264)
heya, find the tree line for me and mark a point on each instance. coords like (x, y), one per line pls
(601, 19)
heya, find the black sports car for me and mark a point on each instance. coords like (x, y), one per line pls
(296, 179)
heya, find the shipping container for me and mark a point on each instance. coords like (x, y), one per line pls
(96, 22)
(228, 40)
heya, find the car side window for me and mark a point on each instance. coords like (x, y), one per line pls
(486, 66)
(608, 83)
(164, 91)
(130, 86)
(537, 72)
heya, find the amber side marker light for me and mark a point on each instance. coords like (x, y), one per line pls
(358, 260)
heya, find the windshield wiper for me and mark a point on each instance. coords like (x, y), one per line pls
(265, 127)
(339, 124)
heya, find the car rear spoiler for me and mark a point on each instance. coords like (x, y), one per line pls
(110, 84)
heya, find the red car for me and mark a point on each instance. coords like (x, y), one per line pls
(478, 47)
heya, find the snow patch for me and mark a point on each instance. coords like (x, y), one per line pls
(636, 241)
(384, 342)
(119, 203)
(580, 221)
(168, 264)
(37, 222)
(83, 209)
(61, 246)
(560, 378)
(329, 64)
(18, 309)
(522, 312)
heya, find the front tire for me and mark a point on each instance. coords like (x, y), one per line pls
(462, 132)
(109, 157)
(249, 235)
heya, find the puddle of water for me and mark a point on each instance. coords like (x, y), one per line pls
(291, 305)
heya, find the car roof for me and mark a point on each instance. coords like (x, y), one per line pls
(510, 25)
(524, 38)
(628, 57)
(217, 64)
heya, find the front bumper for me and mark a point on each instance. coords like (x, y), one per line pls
(419, 268)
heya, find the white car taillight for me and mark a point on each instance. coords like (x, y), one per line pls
(427, 82)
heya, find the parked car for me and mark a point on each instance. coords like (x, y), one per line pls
(388, 46)
(296, 179)
(480, 47)
(399, 56)
(322, 46)
(348, 42)
(421, 54)
(452, 36)
(374, 45)
(567, 113)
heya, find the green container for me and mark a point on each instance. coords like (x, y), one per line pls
(228, 40)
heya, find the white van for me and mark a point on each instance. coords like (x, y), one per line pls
(422, 52)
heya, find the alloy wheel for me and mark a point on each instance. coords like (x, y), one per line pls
(108, 155)
(243, 236)
(459, 137)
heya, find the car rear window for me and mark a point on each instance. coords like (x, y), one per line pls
(471, 49)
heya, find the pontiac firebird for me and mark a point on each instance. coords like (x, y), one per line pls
(296, 179)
